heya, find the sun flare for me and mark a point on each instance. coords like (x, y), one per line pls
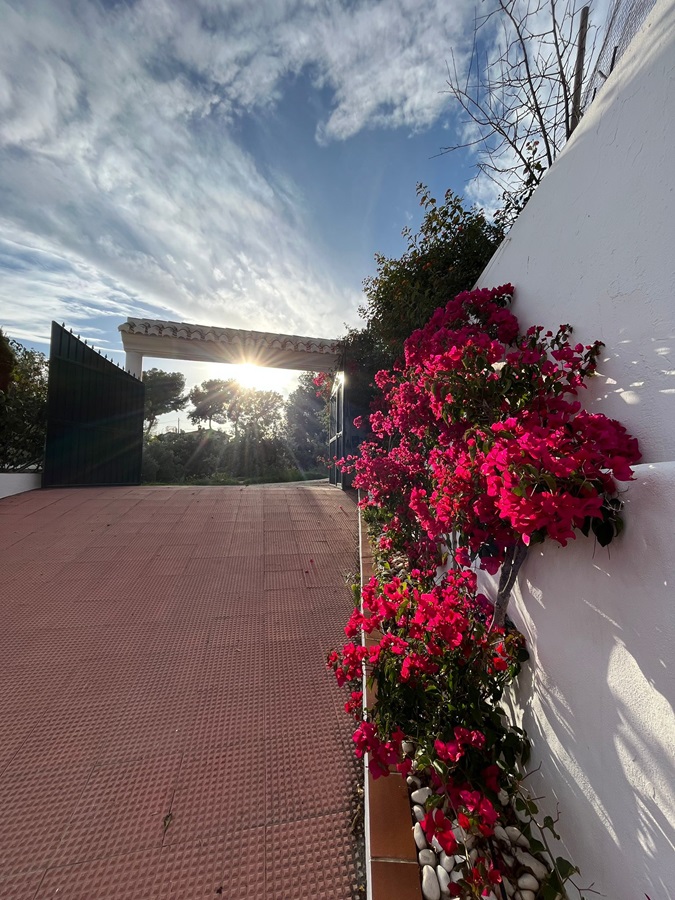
(260, 378)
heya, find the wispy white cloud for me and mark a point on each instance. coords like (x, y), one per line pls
(125, 184)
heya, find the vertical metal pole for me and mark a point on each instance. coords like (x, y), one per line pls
(579, 70)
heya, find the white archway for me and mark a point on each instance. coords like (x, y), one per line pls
(206, 343)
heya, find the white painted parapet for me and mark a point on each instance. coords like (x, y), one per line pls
(594, 247)
(17, 482)
(598, 693)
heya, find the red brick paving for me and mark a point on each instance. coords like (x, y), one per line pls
(167, 726)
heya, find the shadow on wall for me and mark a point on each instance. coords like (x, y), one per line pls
(598, 695)
(594, 245)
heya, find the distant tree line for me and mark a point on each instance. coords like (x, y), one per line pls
(260, 436)
(23, 406)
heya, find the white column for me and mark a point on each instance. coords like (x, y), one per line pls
(134, 363)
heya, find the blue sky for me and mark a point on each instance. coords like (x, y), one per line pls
(227, 162)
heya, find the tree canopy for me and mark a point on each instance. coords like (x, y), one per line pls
(445, 257)
(306, 424)
(23, 406)
(211, 400)
(163, 394)
(248, 412)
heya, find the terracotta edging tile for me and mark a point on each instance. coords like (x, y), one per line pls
(392, 880)
(391, 864)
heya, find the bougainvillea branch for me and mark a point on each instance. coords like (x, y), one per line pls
(479, 449)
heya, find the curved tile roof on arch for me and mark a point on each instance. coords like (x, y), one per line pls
(181, 340)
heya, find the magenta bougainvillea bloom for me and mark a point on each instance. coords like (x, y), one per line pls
(478, 448)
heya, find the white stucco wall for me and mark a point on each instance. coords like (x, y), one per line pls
(18, 482)
(596, 248)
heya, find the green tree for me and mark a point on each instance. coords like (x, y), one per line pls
(23, 407)
(307, 432)
(163, 394)
(445, 257)
(259, 414)
(211, 400)
(7, 362)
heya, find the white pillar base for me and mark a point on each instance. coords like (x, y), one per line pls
(134, 363)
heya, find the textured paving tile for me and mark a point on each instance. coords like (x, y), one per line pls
(167, 726)
(122, 808)
(20, 887)
(130, 876)
(35, 808)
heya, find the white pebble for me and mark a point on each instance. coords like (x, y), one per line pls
(516, 837)
(525, 895)
(503, 797)
(448, 862)
(413, 782)
(501, 835)
(508, 859)
(537, 868)
(473, 856)
(428, 858)
(418, 812)
(527, 882)
(456, 876)
(431, 889)
(443, 880)
(436, 844)
(418, 835)
(508, 887)
(421, 795)
(408, 748)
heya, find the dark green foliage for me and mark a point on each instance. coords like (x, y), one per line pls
(253, 446)
(7, 361)
(445, 257)
(23, 406)
(163, 394)
(247, 412)
(306, 425)
(214, 457)
(211, 400)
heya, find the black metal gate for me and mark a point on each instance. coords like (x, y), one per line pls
(94, 417)
(346, 403)
(336, 435)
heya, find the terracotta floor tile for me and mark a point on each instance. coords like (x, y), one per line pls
(122, 808)
(163, 652)
(129, 876)
(20, 887)
(312, 859)
(229, 864)
(36, 806)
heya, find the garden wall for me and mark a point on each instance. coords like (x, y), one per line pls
(596, 247)
(18, 482)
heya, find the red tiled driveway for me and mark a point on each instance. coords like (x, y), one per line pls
(167, 726)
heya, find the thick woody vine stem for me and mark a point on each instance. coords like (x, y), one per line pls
(507, 579)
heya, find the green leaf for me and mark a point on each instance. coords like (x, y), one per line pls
(565, 867)
(603, 531)
(550, 825)
(550, 891)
